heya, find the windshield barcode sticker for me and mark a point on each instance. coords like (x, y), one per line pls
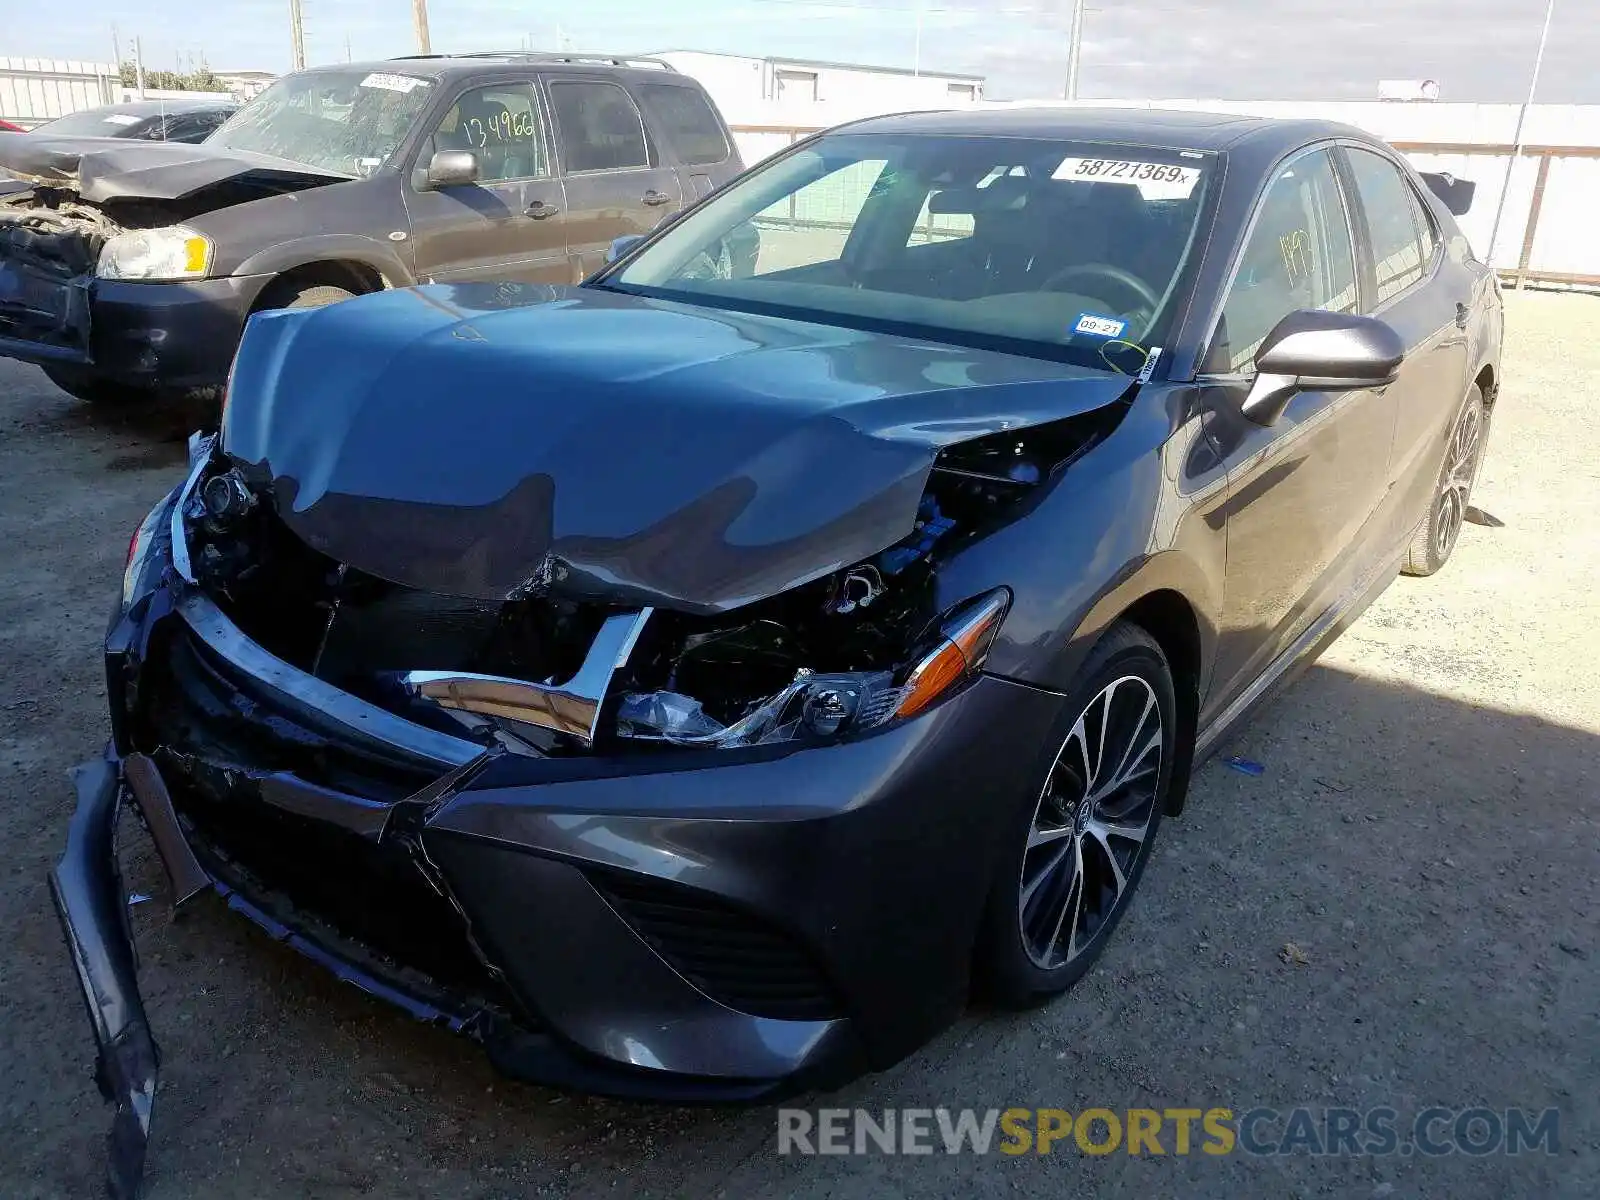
(1155, 181)
(392, 83)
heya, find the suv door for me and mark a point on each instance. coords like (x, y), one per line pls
(617, 183)
(511, 223)
(681, 119)
(1302, 492)
(1417, 292)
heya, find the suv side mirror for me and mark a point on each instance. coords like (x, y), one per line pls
(620, 246)
(1312, 349)
(452, 168)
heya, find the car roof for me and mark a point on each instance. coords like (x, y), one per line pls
(1156, 127)
(156, 108)
(455, 66)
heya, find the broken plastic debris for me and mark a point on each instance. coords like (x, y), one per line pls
(1245, 766)
(137, 898)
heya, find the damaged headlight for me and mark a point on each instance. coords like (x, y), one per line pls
(142, 558)
(818, 705)
(174, 252)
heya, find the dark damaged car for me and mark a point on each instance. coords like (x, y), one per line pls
(693, 684)
(131, 267)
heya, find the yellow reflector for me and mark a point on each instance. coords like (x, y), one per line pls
(194, 255)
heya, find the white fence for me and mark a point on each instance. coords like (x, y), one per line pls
(38, 89)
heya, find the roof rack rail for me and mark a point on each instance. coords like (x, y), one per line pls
(642, 62)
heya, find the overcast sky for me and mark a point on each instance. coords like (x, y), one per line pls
(1288, 49)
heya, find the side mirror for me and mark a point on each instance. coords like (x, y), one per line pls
(1311, 349)
(622, 245)
(452, 168)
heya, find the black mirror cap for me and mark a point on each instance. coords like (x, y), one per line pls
(1312, 349)
(1338, 348)
(452, 168)
(1456, 193)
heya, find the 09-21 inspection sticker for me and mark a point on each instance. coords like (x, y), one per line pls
(1155, 181)
(1095, 325)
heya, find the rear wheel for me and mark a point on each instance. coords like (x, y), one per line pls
(1436, 536)
(1079, 847)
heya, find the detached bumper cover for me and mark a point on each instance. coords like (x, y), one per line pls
(87, 889)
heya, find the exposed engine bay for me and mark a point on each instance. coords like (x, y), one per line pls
(549, 676)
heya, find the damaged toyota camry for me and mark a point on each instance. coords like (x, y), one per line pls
(696, 683)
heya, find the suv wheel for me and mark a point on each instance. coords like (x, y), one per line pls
(288, 294)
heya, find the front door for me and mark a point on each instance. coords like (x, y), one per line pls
(1425, 298)
(511, 223)
(1302, 492)
(617, 183)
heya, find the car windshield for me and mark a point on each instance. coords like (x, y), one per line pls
(1072, 250)
(340, 122)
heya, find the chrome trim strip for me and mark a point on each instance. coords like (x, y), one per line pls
(321, 704)
(572, 708)
(199, 455)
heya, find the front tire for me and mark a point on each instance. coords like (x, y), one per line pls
(1078, 847)
(1436, 536)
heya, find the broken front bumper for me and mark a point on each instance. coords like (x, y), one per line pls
(144, 335)
(720, 925)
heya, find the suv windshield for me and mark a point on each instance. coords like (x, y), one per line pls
(340, 122)
(1069, 249)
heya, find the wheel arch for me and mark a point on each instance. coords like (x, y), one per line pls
(352, 275)
(1169, 618)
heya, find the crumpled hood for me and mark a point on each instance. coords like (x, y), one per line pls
(102, 169)
(506, 440)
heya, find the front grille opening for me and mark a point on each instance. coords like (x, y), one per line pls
(372, 894)
(736, 958)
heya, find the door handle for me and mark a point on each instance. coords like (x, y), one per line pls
(539, 210)
(1463, 314)
(654, 199)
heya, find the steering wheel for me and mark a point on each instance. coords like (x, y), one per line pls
(1117, 275)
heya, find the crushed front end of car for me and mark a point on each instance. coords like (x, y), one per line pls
(630, 745)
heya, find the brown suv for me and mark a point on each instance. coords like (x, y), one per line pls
(131, 268)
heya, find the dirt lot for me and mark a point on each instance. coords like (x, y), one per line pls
(1427, 830)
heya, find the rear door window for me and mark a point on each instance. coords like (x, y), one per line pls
(1399, 252)
(599, 127)
(691, 127)
(1299, 256)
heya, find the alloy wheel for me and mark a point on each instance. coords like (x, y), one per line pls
(1461, 468)
(1091, 822)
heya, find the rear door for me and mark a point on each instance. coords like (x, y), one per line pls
(617, 183)
(510, 224)
(681, 118)
(1302, 492)
(1421, 295)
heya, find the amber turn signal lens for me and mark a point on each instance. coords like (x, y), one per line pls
(965, 644)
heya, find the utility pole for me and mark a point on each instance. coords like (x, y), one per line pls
(419, 18)
(1073, 49)
(297, 37)
(347, 47)
(116, 51)
(1516, 140)
(138, 67)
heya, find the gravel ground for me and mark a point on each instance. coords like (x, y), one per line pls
(1425, 831)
